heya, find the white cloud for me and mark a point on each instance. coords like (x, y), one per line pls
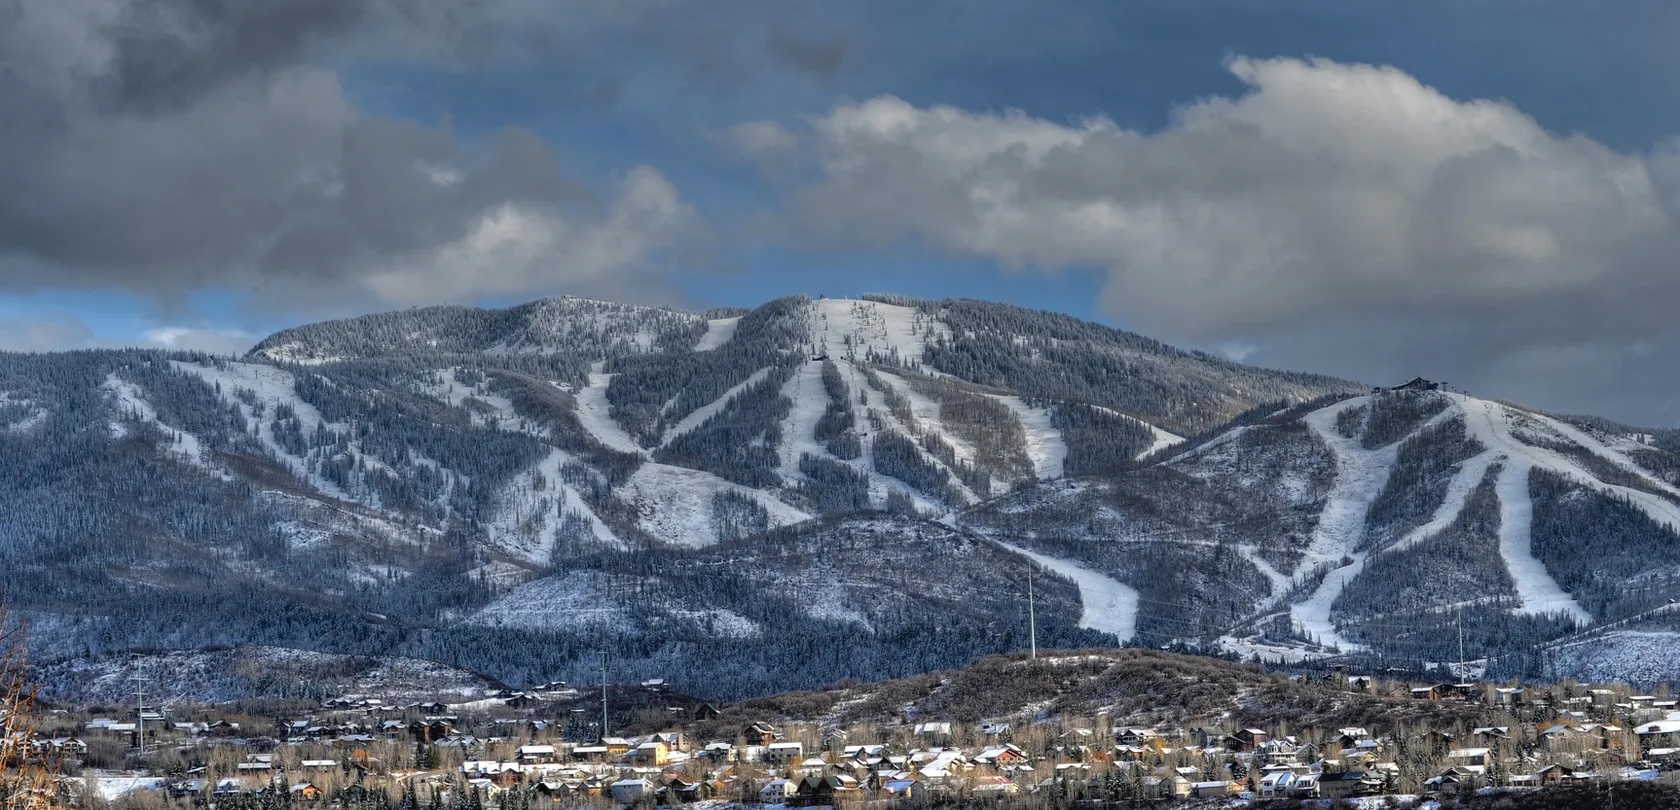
(204, 339)
(516, 250)
(1332, 215)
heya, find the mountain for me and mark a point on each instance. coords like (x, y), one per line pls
(833, 488)
(1380, 525)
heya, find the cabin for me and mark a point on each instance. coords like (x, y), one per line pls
(305, 792)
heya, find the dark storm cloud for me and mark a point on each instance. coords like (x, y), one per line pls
(159, 145)
(818, 54)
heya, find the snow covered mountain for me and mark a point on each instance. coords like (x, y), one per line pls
(838, 487)
(1379, 525)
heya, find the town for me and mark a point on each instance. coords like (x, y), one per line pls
(878, 744)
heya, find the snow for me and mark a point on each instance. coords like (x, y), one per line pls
(1163, 439)
(1109, 606)
(675, 504)
(713, 408)
(112, 787)
(1605, 452)
(722, 623)
(1360, 475)
(595, 414)
(130, 401)
(799, 430)
(1636, 656)
(575, 600)
(1278, 580)
(1540, 594)
(886, 330)
(518, 512)
(1470, 473)
(1045, 445)
(272, 387)
(718, 332)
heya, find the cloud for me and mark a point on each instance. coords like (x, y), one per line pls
(818, 55)
(43, 333)
(1335, 216)
(164, 145)
(204, 339)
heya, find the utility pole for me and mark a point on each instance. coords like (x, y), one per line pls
(1032, 616)
(1461, 645)
(603, 697)
(140, 681)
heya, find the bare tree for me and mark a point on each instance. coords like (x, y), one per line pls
(26, 783)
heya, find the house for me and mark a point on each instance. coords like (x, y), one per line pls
(1554, 774)
(537, 754)
(784, 752)
(934, 733)
(813, 791)
(720, 751)
(1477, 757)
(707, 711)
(629, 791)
(305, 792)
(1214, 789)
(1276, 784)
(1000, 757)
(1348, 783)
(1664, 733)
(1247, 739)
(761, 734)
(590, 753)
(616, 746)
(1417, 384)
(904, 790)
(1136, 737)
(1508, 696)
(656, 753)
(777, 791)
(1453, 780)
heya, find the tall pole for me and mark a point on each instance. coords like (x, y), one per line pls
(139, 710)
(1032, 616)
(603, 697)
(1461, 645)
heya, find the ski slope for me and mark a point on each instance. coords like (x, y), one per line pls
(718, 332)
(1045, 445)
(594, 412)
(1109, 606)
(1360, 475)
(699, 416)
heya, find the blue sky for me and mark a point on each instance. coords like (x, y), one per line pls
(637, 182)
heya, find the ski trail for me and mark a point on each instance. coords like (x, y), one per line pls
(1494, 430)
(1278, 580)
(810, 400)
(1605, 452)
(1360, 476)
(1108, 606)
(1535, 587)
(718, 332)
(1470, 473)
(1540, 594)
(713, 408)
(595, 413)
(1045, 445)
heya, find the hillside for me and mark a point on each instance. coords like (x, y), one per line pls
(834, 487)
(1377, 525)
